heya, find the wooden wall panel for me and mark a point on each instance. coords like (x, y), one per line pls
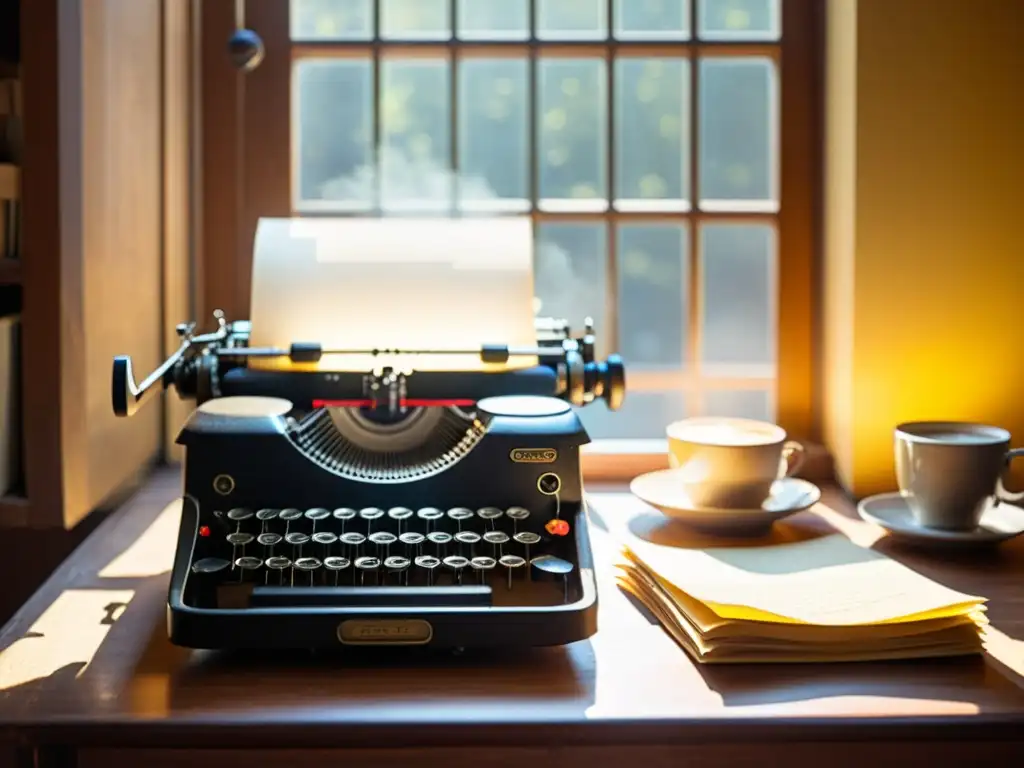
(122, 241)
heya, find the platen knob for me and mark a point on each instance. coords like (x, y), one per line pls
(607, 380)
(246, 50)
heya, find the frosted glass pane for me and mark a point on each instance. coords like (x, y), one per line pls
(570, 275)
(415, 19)
(738, 267)
(652, 157)
(493, 133)
(572, 19)
(415, 135)
(643, 415)
(741, 403)
(331, 19)
(739, 19)
(494, 19)
(571, 107)
(738, 136)
(653, 295)
(334, 126)
(652, 19)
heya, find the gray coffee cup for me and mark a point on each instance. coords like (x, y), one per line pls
(951, 472)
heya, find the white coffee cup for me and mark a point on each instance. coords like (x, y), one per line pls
(730, 463)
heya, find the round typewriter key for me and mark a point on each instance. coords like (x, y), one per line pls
(297, 538)
(308, 564)
(439, 537)
(266, 514)
(496, 537)
(352, 538)
(317, 513)
(510, 562)
(371, 513)
(325, 537)
(460, 513)
(517, 513)
(210, 565)
(429, 562)
(557, 567)
(482, 565)
(397, 564)
(239, 538)
(278, 564)
(344, 513)
(456, 563)
(239, 513)
(383, 538)
(269, 539)
(400, 513)
(527, 537)
(364, 564)
(248, 563)
(336, 564)
(290, 514)
(490, 513)
(557, 527)
(412, 538)
(467, 537)
(430, 513)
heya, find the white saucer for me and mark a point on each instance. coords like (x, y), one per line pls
(890, 511)
(661, 489)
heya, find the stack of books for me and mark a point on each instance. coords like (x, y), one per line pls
(824, 599)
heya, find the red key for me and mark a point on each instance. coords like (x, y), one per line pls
(557, 527)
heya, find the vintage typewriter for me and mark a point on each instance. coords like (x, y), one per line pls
(327, 509)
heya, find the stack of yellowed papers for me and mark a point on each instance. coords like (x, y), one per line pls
(820, 600)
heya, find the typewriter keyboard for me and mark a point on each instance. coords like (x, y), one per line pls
(398, 556)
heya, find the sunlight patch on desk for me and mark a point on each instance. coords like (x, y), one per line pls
(149, 555)
(65, 637)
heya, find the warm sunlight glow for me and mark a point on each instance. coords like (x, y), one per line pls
(152, 553)
(65, 638)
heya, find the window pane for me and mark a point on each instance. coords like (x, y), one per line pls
(738, 137)
(494, 19)
(415, 134)
(739, 403)
(334, 127)
(652, 158)
(493, 133)
(570, 275)
(415, 19)
(653, 295)
(571, 105)
(643, 415)
(331, 19)
(738, 267)
(739, 19)
(652, 19)
(572, 19)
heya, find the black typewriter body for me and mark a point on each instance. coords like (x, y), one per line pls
(326, 510)
(237, 482)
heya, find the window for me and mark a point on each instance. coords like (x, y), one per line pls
(645, 138)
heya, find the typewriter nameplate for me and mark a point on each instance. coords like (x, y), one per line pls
(533, 455)
(385, 632)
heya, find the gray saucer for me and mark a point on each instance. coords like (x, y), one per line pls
(890, 511)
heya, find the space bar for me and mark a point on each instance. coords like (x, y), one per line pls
(371, 597)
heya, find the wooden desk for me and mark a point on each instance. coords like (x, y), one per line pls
(87, 679)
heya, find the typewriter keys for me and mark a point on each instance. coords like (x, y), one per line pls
(517, 514)
(429, 515)
(527, 539)
(308, 564)
(209, 565)
(440, 538)
(352, 538)
(428, 563)
(239, 538)
(239, 513)
(248, 563)
(336, 564)
(317, 513)
(290, 514)
(269, 539)
(555, 566)
(278, 564)
(344, 514)
(412, 538)
(364, 564)
(483, 565)
(489, 513)
(325, 537)
(398, 565)
(266, 514)
(467, 537)
(400, 514)
(456, 563)
(297, 538)
(511, 562)
(497, 538)
(458, 514)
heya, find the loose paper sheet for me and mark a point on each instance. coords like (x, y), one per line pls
(392, 283)
(824, 581)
